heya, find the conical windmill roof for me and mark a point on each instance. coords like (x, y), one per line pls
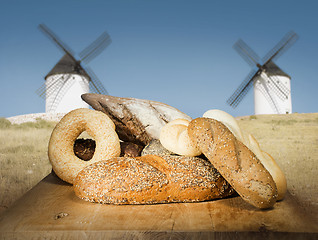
(273, 70)
(67, 65)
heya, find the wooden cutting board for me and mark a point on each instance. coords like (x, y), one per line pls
(52, 211)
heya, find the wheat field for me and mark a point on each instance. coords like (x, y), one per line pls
(291, 139)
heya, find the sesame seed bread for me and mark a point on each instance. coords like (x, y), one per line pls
(237, 164)
(249, 140)
(151, 179)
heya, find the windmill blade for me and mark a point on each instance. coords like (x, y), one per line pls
(41, 90)
(84, 83)
(53, 37)
(287, 41)
(60, 93)
(242, 90)
(55, 84)
(95, 48)
(278, 87)
(246, 53)
(271, 101)
(45, 90)
(96, 83)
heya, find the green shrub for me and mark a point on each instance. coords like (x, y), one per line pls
(39, 123)
(4, 123)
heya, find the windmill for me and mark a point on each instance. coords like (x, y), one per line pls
(272, 93)
(68, 79)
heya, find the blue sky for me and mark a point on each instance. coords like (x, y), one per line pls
(173, 51)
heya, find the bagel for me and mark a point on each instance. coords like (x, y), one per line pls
(98, 125)
(174, 137)
(249, 140)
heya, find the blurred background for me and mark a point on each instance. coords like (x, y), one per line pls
(178, 52)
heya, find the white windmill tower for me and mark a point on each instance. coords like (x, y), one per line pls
(272, 92)
(68, 79)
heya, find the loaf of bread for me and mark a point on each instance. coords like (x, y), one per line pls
(151, 179)
(137, 120)
(237, 164)
(249, 140)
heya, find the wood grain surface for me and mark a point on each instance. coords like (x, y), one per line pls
(52, 211)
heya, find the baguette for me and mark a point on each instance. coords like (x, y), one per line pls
(237, 164)
(151, 179)
(249, 140)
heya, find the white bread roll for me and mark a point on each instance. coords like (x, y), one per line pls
(174, 137)
(248, 140)
(270, 164)
(228, 120)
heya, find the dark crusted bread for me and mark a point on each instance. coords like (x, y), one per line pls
(151, 179)
(85, 148)
(237, 164)
(137, 120)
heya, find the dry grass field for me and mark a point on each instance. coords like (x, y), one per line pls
(23, 158)
(293, 142)
(291, 139)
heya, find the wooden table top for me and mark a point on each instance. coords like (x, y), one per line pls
(52, 211)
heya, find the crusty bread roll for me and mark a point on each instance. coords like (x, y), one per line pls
(249, 140)
(151, 179)
(174, 137)
(137, 120)
(237, 164)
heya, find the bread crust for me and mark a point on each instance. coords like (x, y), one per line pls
(137, 120)
(237, 164)
(151, 179)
